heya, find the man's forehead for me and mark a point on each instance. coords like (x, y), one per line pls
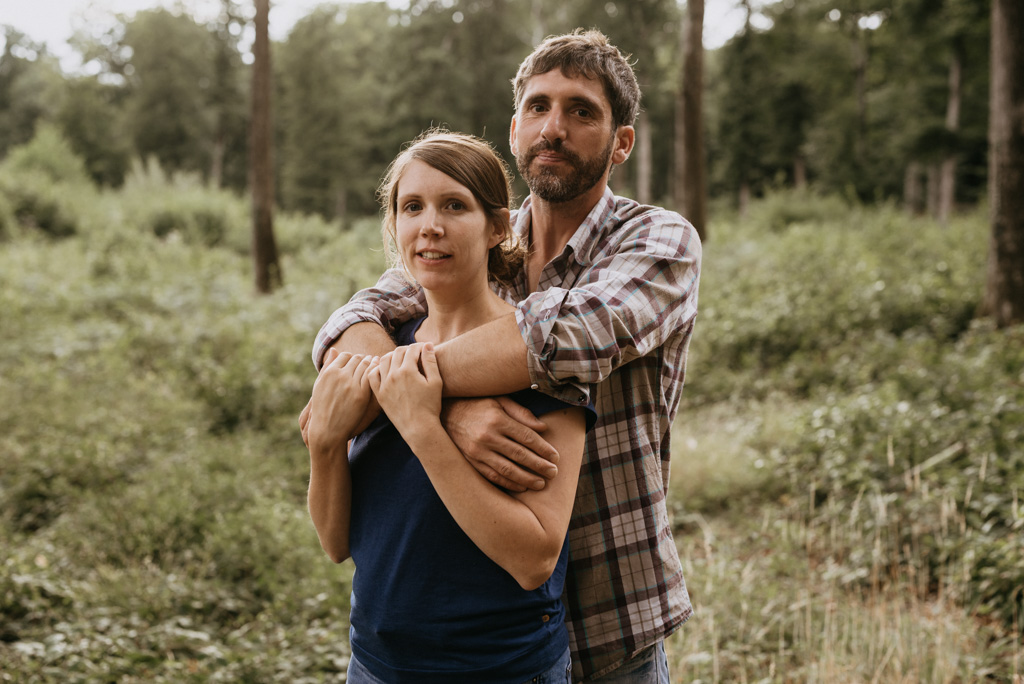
(566, 83)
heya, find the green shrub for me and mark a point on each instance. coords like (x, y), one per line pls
(928, 463)
(782, 208)
(36, 204)
(49, 154)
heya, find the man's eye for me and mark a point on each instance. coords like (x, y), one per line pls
(583, 113)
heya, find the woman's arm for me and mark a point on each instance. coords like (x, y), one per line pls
(522, 532)
(340, 396)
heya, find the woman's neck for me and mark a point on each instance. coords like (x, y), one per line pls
(452, 314)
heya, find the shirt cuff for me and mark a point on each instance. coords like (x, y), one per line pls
(540, 378)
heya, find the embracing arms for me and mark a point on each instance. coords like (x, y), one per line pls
(521, 532)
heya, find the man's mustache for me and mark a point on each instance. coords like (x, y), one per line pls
(556, 146)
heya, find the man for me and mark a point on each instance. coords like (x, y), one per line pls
(606, 308)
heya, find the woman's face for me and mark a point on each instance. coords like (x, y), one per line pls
(442, 230)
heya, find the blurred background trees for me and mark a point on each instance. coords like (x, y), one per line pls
(870, 99)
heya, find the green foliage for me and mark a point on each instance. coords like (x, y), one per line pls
(901, 416)
(40, 184)
(50, 154)
(825, 289)
(152, 499)
(182, 207)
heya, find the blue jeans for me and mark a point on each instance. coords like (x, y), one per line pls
(650, 666)
(559, 673)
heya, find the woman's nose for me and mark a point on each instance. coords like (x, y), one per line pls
(432, 223)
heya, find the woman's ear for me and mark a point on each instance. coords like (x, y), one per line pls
(500, 228)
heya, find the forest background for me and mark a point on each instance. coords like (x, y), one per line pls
(847, 463)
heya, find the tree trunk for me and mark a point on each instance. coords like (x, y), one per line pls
(644, 159)
(744, 199)
(799, 173)
(341, 205)
(947, 183)
(1004, 295)
(217, 162)
(860, 76)
(694, 179)
(261, 170)
(933, 176)
(913, 199)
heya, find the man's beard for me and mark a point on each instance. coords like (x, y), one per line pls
(549, 186)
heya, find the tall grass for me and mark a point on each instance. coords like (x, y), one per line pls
(846, 482)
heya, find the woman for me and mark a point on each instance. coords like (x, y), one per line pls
(456, 580)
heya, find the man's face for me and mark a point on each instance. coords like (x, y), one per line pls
(562, 136)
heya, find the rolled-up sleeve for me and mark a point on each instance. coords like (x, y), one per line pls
(638, 291)
(392, 301)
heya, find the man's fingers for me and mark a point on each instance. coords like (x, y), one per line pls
(526, 459)
(495, 478)
(521, 413)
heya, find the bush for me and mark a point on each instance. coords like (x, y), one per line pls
(35, 204)
(782, 208)
(50, 155)
(183, 207)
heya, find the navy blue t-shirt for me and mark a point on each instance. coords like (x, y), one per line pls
(427, 604)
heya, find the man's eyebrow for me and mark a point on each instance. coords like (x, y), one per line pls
(584, 100)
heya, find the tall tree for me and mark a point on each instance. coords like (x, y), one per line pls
(691, 181)
(30, 87)
(169, 76)
(227, 98)
(1004, 297)
(268, 269)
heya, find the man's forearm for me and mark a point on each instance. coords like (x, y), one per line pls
(365, 338)
(487, 361)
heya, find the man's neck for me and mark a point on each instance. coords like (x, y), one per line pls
(552, 225)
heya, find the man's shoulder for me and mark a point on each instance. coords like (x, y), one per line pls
(629, 212)
(635, 221)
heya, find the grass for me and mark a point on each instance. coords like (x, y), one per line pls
(846, 480)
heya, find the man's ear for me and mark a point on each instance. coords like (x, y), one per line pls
(512, 135)
(625, 138)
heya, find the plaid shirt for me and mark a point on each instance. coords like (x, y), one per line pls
(615, 311)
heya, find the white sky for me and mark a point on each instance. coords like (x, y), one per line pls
(53, 21)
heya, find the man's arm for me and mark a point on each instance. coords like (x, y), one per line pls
(501, 439)
(632, 299)
(389, 303)
(487, 361)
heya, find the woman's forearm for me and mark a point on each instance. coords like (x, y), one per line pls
(330, 500)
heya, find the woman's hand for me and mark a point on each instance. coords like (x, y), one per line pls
(408, 385)
(340, 397)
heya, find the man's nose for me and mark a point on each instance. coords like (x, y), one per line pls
(554, 125)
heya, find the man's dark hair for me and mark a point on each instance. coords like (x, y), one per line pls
(587, 54)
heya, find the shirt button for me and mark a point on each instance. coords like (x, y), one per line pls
(545, 618)
(534, 386)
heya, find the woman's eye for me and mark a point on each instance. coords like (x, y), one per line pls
(456, 205)
(411, 206)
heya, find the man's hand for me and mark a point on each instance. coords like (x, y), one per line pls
(501, 439)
